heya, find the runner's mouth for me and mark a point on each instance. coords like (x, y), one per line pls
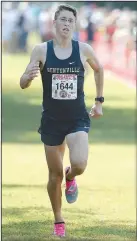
(66, 29)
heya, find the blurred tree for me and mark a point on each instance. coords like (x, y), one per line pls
(115, 4)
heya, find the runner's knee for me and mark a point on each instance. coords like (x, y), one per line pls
(79, 167)
(56, 175)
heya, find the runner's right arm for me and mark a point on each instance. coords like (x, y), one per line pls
(32, 69)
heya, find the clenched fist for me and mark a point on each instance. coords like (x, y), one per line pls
(96, 111)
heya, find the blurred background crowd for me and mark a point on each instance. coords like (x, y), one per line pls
(109, 26)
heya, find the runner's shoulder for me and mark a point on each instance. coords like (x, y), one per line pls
(84, 46)
(40, 47)
(39, 51)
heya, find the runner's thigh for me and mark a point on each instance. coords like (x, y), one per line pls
(54, 157)
(78, 147)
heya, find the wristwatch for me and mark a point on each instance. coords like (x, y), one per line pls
(100, 99)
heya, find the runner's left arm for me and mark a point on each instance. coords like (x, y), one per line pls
(97, 68)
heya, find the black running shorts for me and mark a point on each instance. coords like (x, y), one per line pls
(53, 132)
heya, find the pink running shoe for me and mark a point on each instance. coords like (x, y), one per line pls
(71, 191)
(59, 229)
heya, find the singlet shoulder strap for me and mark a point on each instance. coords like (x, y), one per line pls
(50, 48)
(75, 44)
(76, 50)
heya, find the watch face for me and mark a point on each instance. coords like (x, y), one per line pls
(102, 99)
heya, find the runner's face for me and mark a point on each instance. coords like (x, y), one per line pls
(65, 24)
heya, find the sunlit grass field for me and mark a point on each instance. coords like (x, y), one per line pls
(105, 209)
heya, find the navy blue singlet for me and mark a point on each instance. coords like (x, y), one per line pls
(63, 80)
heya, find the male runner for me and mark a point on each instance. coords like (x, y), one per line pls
(61, 62)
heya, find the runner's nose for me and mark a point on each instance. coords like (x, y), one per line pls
(67, 23)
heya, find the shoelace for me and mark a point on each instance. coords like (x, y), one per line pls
(70, 183)
(59, 229)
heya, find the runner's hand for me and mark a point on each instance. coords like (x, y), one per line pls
(33, 70)
(96, 111)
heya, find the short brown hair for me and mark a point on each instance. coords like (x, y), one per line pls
(65, 7)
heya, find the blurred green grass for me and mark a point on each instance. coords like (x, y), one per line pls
(106, 207)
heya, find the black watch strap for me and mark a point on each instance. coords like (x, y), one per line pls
(100, 99)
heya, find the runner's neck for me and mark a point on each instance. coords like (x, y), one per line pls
(62, 43)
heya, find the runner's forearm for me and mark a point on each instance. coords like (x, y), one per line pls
(25, 82)
(99, 80)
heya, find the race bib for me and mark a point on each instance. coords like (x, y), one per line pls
(64, 86)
